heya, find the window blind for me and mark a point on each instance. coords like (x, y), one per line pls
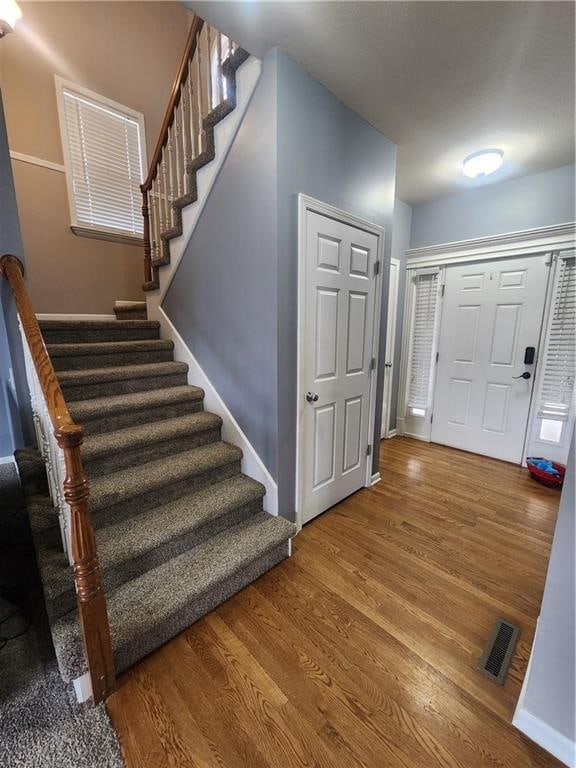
(425, 303)
(104, 149)
(560, 356)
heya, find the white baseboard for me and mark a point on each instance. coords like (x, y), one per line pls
(7, 460)
(391, 433)
(547, 737)
(50, 316)
(252, 465)
(375, 478)
(83, 688)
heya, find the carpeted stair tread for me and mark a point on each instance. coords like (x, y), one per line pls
(86, 410)
(135, 481)
(155, 432)
(153, 528)
(120, 373)
(108, 347)
(149, 610)
(112, 324)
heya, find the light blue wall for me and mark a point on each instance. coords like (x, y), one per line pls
(234, 297)
(538, 200)
(15, 417)
(401, 229)
(550, 690)
(223, 297)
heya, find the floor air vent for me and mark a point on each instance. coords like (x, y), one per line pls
(497, 655)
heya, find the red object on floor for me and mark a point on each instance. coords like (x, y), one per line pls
(554, 481)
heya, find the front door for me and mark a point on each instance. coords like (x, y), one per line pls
(338, 290)
(491, 322)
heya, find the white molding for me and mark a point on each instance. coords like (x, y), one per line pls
(31, 160)
(522, 243)
(547, 737)
(306, 203)
(57, 316)
(252, 465)
(375, 478)
(7, 460)
(247, 77)
(391, 433)
(83, 688)
(390, 353)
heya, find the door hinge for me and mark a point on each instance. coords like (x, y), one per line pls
(437, 356)
(376, 267)
(369, 451)
(431, 418)
(372, 363)
(443, 289)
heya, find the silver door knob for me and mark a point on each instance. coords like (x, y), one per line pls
(312, 397)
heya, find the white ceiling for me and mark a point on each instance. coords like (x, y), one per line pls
(441, 79)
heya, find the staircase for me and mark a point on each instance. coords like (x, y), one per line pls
(179, 528)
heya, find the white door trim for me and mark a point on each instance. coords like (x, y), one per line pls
(512, 244)
(306, 203)
(392, 312)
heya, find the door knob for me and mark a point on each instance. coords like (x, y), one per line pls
(526, 375)
(312, 397)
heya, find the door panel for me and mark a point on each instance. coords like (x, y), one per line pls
(491, 313)
(338, 302)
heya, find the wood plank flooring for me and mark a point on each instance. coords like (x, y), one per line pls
(361, 649)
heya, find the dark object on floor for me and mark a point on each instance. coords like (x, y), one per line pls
(547, 472)
(499, 650)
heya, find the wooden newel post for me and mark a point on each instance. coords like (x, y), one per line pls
(92, 611)
(147, 245)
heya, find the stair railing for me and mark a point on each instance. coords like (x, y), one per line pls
(59, 440)
(201, 85)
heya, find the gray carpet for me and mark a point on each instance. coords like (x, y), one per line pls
(40, 723)
(41, 726)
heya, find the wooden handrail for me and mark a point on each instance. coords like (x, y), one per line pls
(92, 611)
(195, 29)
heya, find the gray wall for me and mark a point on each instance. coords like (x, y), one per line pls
(223, 297)
(400, 243)
(327, 151)
(550, 691)
(15, 418)
(234, 298)
(538, 200)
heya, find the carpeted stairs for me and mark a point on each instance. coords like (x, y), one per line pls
(179, 528)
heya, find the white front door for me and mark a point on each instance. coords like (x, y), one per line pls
(337, 295)
(390, 345)
(492, 315)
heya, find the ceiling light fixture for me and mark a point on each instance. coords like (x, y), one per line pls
(10, 12)
(482, 163)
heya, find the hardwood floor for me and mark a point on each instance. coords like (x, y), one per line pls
(361, 649)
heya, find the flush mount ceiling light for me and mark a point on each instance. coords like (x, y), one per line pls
(482, 163)
(9, 14)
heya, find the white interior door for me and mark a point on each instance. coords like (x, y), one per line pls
(492, 313)
(338, 299)
(390, 345)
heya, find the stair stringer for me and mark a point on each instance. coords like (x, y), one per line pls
(252, 464)
(246, 79)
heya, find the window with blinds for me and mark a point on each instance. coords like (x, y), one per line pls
(103, 146)
(422, 343)
(559, 370)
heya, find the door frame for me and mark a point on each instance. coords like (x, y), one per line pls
(535, 242)
(385, 431)
(305, 204)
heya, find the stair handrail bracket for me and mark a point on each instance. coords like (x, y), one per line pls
(59, 440)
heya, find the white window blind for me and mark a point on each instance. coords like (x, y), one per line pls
(560, 355)
(422, 340)
(104, 162)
